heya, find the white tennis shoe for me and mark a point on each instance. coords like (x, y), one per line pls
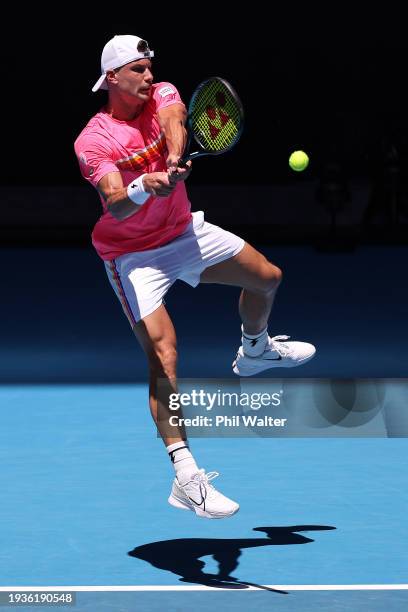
(201, 497)
(277, 354)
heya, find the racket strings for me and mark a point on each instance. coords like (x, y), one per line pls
(216, 117)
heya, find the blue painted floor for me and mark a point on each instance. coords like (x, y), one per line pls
(85, 480)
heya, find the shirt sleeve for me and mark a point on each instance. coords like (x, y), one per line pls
(165, 94)
(95, 158)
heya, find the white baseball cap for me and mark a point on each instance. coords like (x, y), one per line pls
(121, 50)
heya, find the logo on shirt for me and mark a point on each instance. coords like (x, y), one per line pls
(165, 91)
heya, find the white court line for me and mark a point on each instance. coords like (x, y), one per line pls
(281, 587)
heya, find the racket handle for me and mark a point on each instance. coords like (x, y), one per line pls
(191, 156)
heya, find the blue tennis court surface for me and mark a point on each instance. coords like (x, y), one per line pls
(85, 480)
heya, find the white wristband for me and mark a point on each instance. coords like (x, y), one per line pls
(136, 191)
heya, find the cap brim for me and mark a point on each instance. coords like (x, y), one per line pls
(100, 83)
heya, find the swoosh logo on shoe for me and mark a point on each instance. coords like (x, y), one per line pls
(197, 503)
(272, 358)
(202, 502)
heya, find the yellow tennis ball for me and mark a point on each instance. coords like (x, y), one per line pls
(298, 161)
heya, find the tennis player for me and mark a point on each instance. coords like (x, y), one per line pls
(148, 238)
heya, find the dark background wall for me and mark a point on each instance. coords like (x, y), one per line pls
(330, 80)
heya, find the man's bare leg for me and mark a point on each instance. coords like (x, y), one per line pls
(191, 489)
(157, 337)
(259, 280)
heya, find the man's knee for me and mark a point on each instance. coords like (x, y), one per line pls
(269, 278)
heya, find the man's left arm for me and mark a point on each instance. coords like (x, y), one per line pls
(172, 121)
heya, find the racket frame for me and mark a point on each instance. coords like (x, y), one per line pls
(191, 135)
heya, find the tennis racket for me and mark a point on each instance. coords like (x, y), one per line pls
(215, 119)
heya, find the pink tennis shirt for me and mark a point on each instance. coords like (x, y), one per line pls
(133, 148)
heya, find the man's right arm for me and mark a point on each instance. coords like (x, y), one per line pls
(116, 195)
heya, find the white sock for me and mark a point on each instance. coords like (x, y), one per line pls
(183, 461)
(254, 345)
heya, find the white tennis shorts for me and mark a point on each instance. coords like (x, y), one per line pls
(142, 279)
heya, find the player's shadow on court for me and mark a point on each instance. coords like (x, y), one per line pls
(182, 556)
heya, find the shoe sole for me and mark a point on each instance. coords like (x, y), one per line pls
(248, 371)
(182, 505)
